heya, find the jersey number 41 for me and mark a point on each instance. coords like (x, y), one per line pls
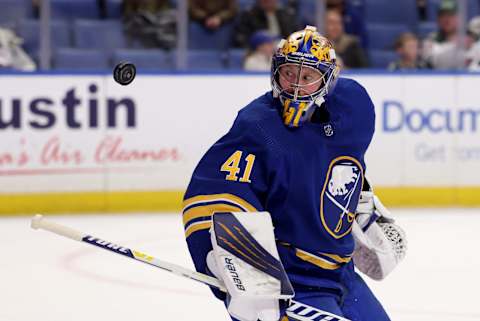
(232, 167)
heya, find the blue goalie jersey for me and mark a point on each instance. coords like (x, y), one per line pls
(309, 179)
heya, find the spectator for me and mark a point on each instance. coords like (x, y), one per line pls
(474, 28)
(440, 47)
(406, 47)
(473, 54)
(212, 13)
(259, 56)
(346, 46)
(12, 56)
(133, 7)
(152, 23)
(265, 15)
(353, 14)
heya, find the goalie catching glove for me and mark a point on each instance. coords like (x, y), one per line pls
(380, 244)
(246, 259)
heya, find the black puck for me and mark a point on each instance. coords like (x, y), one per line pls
(124, 73)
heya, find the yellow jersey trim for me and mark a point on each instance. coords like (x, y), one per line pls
(316, 260)
(197, 227)
(207, 210)
(219, 197)
(337, 258)
(194, 208)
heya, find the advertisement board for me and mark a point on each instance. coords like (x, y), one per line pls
(85, 143)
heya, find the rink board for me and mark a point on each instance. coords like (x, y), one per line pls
(82, 143)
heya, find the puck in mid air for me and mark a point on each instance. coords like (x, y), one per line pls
(124, 73)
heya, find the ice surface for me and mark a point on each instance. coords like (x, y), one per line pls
(47, 277)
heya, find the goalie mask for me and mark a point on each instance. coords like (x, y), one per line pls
(304, 70)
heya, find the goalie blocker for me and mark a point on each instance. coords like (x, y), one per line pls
(246, 259)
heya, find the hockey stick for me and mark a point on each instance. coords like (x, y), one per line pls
(298, 311)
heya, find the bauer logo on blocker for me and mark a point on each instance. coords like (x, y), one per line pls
(234, 274)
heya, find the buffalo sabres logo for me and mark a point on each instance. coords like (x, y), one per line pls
(340, 195)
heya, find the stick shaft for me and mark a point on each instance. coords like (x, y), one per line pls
(39, 222)
(297, 311)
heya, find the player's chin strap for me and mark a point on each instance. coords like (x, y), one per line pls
(380, 244)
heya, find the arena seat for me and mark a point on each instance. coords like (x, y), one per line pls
(11, 11)
(201, 38)
(114, 9)
(203, 60)
(396, 12)
(425, 28)
(103, 34)
(74, 9)
(80, 59)
(381, 58)
(245, 4)
(306, 11)
(383, 36)
(145, 58)
(29, 31)
(235, 59)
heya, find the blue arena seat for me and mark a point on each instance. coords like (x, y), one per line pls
(11, 11)
(425, 28)
(154, 59)
(29, 31)
(383, 36)
(201, 38)
(307, 11)
(80, 59)
(74, 9)
(114, 9)
(236, 58)
(381, 58)
(205, 60)
(99, 34)
(397, 12)
(245, 4)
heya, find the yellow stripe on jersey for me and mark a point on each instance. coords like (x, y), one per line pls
(219, 197)
(207, 210)
(337, 258)
(197, 227)
(315, 260)
(191, 211)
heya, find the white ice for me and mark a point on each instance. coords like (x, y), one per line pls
(47, 277)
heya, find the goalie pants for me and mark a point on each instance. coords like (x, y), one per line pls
(357, 303)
